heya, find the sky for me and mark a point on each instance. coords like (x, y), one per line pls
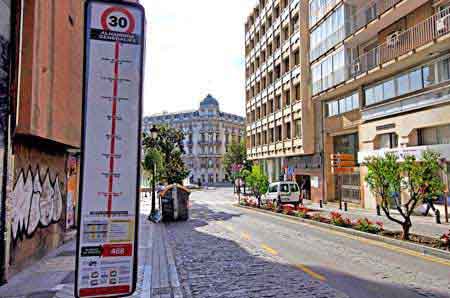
(195, 47)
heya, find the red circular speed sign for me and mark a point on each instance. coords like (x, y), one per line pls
(119, 19)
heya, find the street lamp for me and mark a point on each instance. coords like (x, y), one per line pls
(153, 135)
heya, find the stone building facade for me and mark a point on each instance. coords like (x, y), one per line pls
(331, 82)
(208, 132)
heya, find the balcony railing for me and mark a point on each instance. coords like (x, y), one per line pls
(369, 12)
(434, 27)
(205, 142)
(364, 15)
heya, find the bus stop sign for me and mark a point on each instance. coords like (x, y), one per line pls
(106, 264)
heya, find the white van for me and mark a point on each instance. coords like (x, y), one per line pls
(286, 192)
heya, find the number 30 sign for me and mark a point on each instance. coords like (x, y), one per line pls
(118, 19)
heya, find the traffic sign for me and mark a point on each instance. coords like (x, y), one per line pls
(342, 156)
(342, 163)
(106, 264)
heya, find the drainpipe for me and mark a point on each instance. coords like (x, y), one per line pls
(15, 31)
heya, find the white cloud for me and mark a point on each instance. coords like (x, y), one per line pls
(193, 48)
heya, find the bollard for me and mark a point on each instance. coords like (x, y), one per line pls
(321, 204)
(345, 206)
(378, 210)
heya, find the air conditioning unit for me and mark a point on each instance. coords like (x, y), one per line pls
(441, 24)
(392, 39)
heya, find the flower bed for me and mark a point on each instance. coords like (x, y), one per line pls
(361, 224)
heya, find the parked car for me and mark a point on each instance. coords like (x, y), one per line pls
(280, 193)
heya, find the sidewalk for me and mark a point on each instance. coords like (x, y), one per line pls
(423, 225)
(54, 276)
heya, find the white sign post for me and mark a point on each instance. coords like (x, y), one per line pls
(106, 264)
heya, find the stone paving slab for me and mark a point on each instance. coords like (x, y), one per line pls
(54, 275)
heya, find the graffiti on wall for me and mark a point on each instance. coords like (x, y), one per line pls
(35, 201)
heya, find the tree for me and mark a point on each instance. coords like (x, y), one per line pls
(152, 157)
(387, 178)
(258, 182)
(170, 143)
(236, 155)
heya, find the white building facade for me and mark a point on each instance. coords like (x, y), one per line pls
(208, 133)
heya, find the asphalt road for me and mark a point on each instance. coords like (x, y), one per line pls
(352, 266)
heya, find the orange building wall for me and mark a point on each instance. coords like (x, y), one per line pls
(50, 96)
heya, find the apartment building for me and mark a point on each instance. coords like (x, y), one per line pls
(208, 133)
(281, 127)
(381, 71)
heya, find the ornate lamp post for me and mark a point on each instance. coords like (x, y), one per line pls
(153, 135)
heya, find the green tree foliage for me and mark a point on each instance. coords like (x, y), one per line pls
(258, 182)
(170, 143)
(152, 157)
(420, 180)
(236, 155)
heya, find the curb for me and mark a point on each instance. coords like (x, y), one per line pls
(425, 250)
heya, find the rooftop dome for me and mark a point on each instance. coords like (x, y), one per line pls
(209, 101)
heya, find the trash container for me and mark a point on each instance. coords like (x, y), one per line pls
(175, 202)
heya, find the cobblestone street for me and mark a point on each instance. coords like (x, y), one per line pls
(225, 251)
(215, 262)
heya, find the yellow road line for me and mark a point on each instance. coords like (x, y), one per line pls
(368, 241)
(310, 272)
(245, 236)
(269, 249)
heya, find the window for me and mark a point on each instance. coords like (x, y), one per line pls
(279, 133)
(411, 81)
(286, 32)
(278, 102)
(298, 128)
(296, 58)
(330, 32)
(328, 72)
(287, 97)
(288, 130)
(297, 92)
(293, 187)
(434, 135)
(284, 187)
(273, 188)
(343, 105)
(286, 65)
(387, 140)
(347, 144)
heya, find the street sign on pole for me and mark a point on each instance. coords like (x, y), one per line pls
(106, 264)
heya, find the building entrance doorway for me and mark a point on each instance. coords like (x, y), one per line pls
(304, 182)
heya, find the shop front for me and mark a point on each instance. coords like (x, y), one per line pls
(307, 171)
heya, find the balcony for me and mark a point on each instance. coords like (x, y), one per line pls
(365, 13)
(419, 35)
(209, 142)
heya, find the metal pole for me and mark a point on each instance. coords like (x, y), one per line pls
(153, 190)
(446, 193)
(340, 192)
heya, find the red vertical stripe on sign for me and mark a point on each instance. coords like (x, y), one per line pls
(112, 149)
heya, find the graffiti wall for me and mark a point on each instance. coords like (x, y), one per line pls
(36, 202)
